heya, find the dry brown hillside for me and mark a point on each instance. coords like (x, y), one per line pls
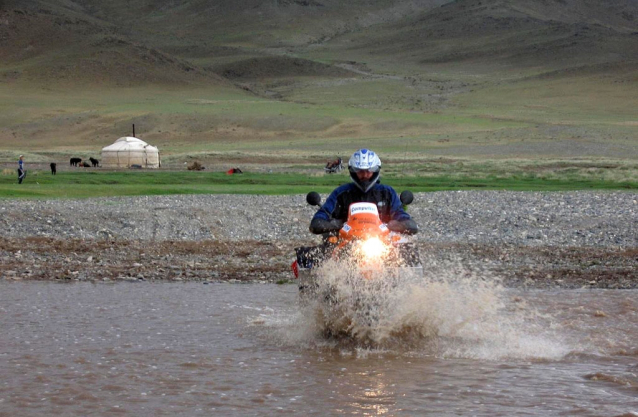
(543, 34)
(39, 47)
(518, 69)
(131, 42)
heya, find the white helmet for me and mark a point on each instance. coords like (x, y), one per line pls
(364, 160)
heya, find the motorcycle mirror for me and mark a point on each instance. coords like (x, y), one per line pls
(313, 198)
(406, 197)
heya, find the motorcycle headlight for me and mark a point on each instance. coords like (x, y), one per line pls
(373, 248)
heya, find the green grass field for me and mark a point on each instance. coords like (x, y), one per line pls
(39, 184)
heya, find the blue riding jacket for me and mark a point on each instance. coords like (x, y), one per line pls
(384, 196)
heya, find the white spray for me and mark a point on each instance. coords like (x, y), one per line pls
(451, 311)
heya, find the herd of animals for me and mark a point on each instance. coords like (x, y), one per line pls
(77, 162)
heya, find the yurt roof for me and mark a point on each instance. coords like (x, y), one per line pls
(128, 143)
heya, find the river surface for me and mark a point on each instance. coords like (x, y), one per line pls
(153, 349)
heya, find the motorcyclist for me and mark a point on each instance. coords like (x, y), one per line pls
(365, 169)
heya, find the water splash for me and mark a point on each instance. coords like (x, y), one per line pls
(451, 311)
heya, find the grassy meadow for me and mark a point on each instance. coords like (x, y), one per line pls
(459, 105)
(529, 121)
(477, 143)
(83, 184)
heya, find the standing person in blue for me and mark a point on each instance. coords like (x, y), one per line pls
(21, 172)
(365, 170)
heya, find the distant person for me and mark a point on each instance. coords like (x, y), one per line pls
(54, 168)
(21, 171)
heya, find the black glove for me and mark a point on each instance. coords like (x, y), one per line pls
(320, 226)
(407, 227)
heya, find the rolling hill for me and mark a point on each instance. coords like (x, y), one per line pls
(317, 75)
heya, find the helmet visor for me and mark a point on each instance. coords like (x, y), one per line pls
(371, 169)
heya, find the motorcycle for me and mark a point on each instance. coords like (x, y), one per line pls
(334, 166)
(351, 275)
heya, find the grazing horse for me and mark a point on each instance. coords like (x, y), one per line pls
(94, 161)
(53, 168)
(75, 161)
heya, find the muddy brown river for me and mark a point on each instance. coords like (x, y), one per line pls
(449, 348)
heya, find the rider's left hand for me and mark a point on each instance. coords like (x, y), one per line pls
(408, 227)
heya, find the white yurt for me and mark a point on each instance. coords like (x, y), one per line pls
(130, 152)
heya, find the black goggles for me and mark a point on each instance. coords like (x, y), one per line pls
(373, 169)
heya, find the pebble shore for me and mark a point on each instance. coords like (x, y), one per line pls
(513, 231)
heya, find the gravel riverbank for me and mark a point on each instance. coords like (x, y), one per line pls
(570, 239)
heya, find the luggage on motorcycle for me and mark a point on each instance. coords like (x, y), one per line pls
(308, 256)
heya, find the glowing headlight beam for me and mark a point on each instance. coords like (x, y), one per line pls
(373, 248)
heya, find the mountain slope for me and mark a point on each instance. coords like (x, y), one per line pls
(132, 42)
(59, 47)
(213, 74)
(545, 34)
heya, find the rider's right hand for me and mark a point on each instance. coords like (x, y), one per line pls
(320, 226)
